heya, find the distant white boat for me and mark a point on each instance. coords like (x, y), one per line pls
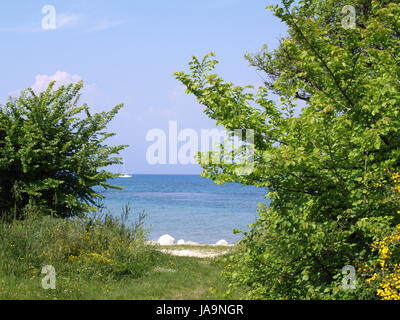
(125, 175)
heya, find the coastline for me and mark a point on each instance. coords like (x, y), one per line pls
(196, 251)
(167, 240)
(191, 244)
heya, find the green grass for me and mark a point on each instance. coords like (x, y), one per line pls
(179, 278)
(173, 278)
(102, 259)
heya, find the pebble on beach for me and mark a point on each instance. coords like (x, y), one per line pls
(222, 242)
(165, 240)
(192, 243)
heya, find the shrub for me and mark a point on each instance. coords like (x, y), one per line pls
(383, 273)
(52, 153)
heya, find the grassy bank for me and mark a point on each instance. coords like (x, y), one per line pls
(100, 259)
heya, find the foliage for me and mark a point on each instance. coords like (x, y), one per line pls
(320, 165)
(383, 274)
(51, 156)
(102, 248)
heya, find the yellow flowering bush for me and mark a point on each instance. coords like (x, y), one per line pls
(90, 257)
(385, 273)
(106, 247)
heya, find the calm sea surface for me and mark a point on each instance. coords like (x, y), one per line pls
(187, 206)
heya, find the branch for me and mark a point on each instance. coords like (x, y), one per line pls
(321, 60)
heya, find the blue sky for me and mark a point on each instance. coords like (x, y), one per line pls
(126, 52)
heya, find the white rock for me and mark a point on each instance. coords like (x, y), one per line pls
(192, 243)
(181, 241)
(222, 242)
(166, 240)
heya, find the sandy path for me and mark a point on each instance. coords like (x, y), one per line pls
(194, 253)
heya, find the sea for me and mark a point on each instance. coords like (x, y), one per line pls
(186, 207)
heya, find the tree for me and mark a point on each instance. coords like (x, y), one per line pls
(52, 153)
(320, 167)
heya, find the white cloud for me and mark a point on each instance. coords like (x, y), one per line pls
(89, 93)
(42, 81)
(63, 21)
(69, 20)
(104, 24)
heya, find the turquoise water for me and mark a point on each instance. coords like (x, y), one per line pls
(187, 206)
